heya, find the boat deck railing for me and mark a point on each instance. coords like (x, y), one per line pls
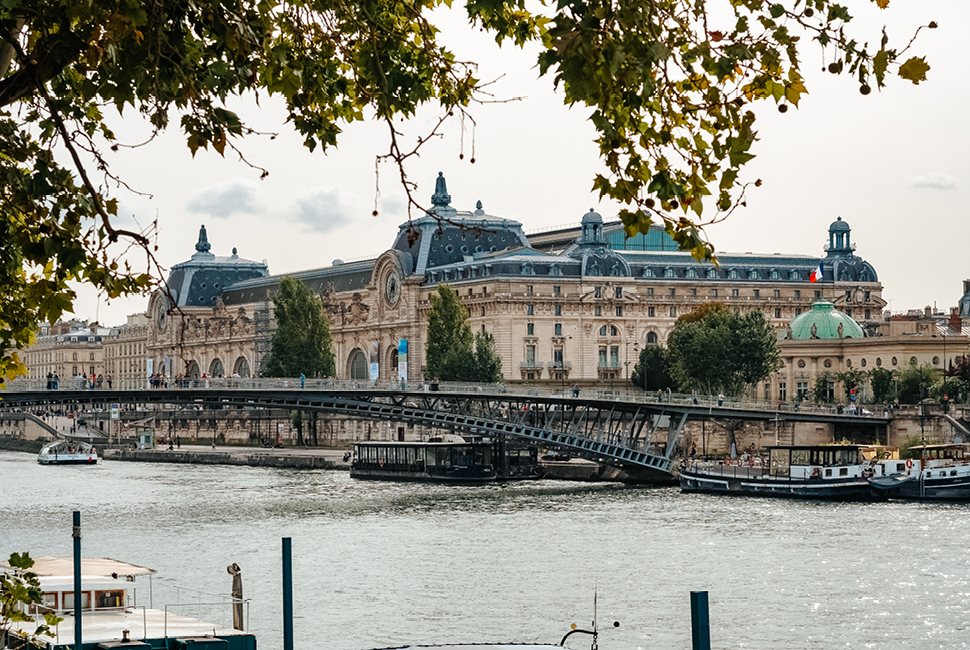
(755, 468)
(186, 596)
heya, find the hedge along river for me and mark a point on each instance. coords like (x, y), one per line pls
(387, 564)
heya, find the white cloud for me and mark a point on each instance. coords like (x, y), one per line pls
(323, 209)
(233, 197)
(933, 181)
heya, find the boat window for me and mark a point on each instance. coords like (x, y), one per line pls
(828, 472)
(800, 457)
(779, 462)
(50, 600)
(900, 467)
(444, 457)
(953, 472)
(843, 471)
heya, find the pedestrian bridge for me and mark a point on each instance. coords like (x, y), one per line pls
(629, 430)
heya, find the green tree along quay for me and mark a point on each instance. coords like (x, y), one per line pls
(851, 379)
(652, 371)
(822, 390)
(301, 343)
(914, 382)
(715, 350)
(20, 590)
(667, 84)
(881, 381)
(452, 353)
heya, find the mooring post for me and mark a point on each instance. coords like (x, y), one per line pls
(700, 621)
(77, 579)
(287, 593)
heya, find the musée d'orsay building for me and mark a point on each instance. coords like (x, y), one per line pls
(566, 306)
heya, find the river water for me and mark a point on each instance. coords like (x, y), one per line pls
(386, 564)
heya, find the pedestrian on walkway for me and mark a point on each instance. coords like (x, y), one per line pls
(302, 380)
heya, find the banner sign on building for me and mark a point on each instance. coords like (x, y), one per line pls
(402, 360)
(375, 368)
(114, 411)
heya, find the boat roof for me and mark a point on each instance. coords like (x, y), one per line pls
(952, 445)
(90, 566)
(823, 447)
(479, 646)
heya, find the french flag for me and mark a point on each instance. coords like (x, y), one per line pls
(816, 274)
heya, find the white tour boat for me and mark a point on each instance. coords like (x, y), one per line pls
(67, 452)
(940, 472)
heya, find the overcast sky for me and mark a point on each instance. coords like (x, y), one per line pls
(894, 165)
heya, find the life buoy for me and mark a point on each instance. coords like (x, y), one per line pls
(727, 460)
(739, 462)
(381, 462)
(751, 462)
(909, 463)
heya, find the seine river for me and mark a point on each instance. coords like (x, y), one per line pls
(383, 564)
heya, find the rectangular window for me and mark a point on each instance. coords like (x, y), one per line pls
(868, 314)
(673, 292)
(757, 293)
(798, 293)
(557, 357)
(693, 292)
(528, 289)
(713, 293)
(602, 356)
(558, 310)
(649, 291)
(867, 296)
(782, 391)
(530, 356)
(848, 311)
(777, 293)
(651, 312)
(619, 310)
(530, 329)
(673, 312)
(530, 309)
(555, 289)
(802, 390)
(734, 293)
(598, 310)
(558, 329)
(777, 312)
(614, 356)
(818, 293)
(798, 310)
(598, 292)
(619, 292)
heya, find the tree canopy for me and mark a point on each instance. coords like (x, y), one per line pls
(20, 591)
(668, 84)
(452, 353)
(301, 343)
(652, 371)
(716, 350)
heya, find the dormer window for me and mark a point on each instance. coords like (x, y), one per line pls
(669, 273)
(648, 272)
(753, 274)
(733, 274)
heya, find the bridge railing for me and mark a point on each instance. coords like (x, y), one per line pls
(626, 394)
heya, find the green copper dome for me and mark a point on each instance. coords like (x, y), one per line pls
(826, 321)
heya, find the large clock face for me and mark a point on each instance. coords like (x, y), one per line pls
(392, 288)
(161, 314)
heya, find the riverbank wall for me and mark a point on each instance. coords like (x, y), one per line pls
(248, 458)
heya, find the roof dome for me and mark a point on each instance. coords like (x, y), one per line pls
(839, 226)
(823, 321)
(592, 217)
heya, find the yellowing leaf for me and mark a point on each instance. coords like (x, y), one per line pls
(882, 4)
(914, 69)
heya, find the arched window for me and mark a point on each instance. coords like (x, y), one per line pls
(193, 370)
(528, 269)
(651, 338)
(603, 331)
(215, 368)
(394, 362)
(241, 367)
(358, 365)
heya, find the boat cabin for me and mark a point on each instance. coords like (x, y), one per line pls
(425, 461)
(816, 462)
